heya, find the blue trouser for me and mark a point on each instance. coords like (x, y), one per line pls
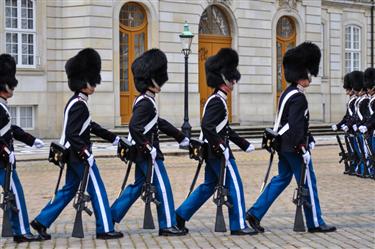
(290, 164)
(96, 190)
(20, 220)
(204, 191)
(359, 147)
(166, 212)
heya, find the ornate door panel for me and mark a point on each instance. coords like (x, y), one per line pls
(133, 42)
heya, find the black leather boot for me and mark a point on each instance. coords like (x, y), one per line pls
(26, 238)
(245, 231)
(254, 223)
(171, 231)
(181, 224)
(42, 230)
(322, 229)
(110, 235)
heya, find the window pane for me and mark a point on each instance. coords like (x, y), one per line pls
(213, 21)
(124, 60)
(132, 15)
(11, 44)
(13, 114)
(27, 49)
(26, 118)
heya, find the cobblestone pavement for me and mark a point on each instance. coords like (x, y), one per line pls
(347, 202)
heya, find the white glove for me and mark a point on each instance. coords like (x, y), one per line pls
(185, 142)
(153, 154)
(312, 145)
(250, 148)
(12, 158)
(38, 143)
(355, 128)
(334, 127)
(91, 160)
(115, 142)
(363, 129)
(306, 157)
(345, 128)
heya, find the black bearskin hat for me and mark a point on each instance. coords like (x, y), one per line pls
(7, 72)
(347, 83)
(83, 68)
(369, 78)
(356, 79)
(225, 63)
(152, 64)
(300, 60)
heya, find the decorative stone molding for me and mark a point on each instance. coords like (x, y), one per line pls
(226, 2)
(290, 4)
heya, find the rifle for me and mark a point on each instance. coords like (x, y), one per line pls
(126, 152)
(369, 152)
(344, 155)
(270, 142)
(80, 203)
(221, 198)
(196, 152)
(351, 151)
(299, 198)
(8, 199)
(57, 155)
(148, 196)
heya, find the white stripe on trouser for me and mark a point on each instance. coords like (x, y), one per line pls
(164, 194)
(234, 178)
(100, 199)
(311, 193)
(20, 217)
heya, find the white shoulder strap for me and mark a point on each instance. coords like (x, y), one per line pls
(349, 109)
(370, 103)
(150, 124)
(7, 127)
(66, 114)
(358, 110)
(280, 114)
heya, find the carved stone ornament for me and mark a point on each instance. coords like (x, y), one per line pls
(292, 4)
(226, 2)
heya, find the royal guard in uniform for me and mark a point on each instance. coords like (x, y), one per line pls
(300, 64)
(369, 126)
(19, 218)
(349, 115)
(83, 72)
(222, 75)
(150, 74)
(359, 117)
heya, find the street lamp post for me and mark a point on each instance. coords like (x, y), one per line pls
(186, 39)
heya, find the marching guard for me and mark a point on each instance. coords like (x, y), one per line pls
(150, 74)
(222, 75)
(349, 115)
(295, 142)
(369, 126)
(83, 72)
(17, 213)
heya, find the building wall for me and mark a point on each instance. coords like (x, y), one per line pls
(66, 26)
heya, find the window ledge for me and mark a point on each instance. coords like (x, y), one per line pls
(30, 71)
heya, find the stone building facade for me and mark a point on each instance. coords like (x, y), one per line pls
(43, 34)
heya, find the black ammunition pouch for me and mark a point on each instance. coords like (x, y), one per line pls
(126, 151)
(197, 149)
(58, 154)
(271, 140)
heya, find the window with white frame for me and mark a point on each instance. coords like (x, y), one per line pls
(352, 48)
(23, 116)
(20, 32)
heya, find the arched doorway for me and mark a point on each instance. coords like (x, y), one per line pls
(133, 42)
(285, 40)
(214, 34)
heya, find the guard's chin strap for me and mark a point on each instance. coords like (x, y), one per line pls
(7, 88)
(155, 84)
(225, 80)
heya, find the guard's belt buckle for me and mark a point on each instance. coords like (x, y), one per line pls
(57, 154)
(196, 149)
(270, 140)
(126, 151)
